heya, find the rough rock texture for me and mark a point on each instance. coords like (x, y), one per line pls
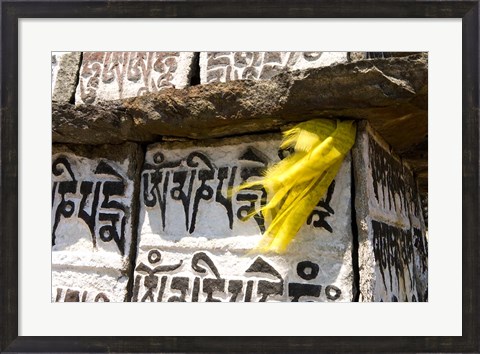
(228, 66)
(116, 75)
(104, 123)
(94, 210)
(194, 243)
(390, 93)
(393, 248)
(65, 68)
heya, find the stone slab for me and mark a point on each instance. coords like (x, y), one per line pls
(65, 68)
(393, 247)
(392, 94)
(228, 66)
(106, 76)
(94, 190)
(195, 244)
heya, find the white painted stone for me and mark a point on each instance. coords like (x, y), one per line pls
(108, 76)
(92, 221)
(393, 253)
(88, 285)
(204, 253)
(228, 66)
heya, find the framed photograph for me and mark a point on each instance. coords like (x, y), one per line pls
(150, 211)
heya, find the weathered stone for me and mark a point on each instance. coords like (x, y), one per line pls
(353, 56)
(195, 244)
(381, 91)
(390, 93)
(228, 66)
(393, 249)
(108, 76)
(65, 68)
(103, 123)
(94, 190)
(417, 159)
(373, 55)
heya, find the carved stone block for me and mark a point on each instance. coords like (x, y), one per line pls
(94, 190)
(65, 68)
(108, 76)
(196, 245)
(393, 247)
(228, 66)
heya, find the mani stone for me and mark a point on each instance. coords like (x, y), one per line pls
(393, 245)
(195, 244)
(94, 191)
(229, 66)
(106, 76)
(65, 68)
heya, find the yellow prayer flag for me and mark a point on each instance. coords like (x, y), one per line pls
(296, 184)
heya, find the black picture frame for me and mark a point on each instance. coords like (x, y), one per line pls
(11, 11)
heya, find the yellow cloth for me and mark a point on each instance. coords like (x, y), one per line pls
(297, 183)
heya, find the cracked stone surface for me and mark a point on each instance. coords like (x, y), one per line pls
(65, 68)
(391, 93)
(393, 246)
(93, 221)
(228, 66)
(115, 75)
(196, 245)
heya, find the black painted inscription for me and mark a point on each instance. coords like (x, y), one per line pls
(210, 285)
(76, 295)
(393, 250)
(181, 284)
(203, 281)
(235, 288)
(332, 292)
(322, 211)
(421, 245)
(266, 288)
(195, 181)
(151, 279)
(97, 203)
(191, 181)
(254, 163)
(309, 271)
(393, 179)
(297, 290)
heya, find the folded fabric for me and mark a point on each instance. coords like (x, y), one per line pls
(297, 183)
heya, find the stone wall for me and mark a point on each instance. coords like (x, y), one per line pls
(196, 240)
(115, 75)
(392, 238)
(228, 66)
(105, 76)
(151, 221)
(94, 218)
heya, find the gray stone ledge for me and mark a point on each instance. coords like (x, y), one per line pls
(390, 93)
